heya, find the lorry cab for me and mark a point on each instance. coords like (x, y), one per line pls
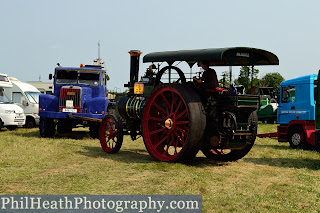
(11, 115)
(78, 91)
(27, 97)
(297, 99)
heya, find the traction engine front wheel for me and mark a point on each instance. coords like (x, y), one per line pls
(173, 123)
(110, 134)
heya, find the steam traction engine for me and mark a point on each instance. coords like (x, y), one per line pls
(175, 119)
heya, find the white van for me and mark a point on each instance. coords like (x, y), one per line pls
(11, 115)
(43, 87)
(27, 97)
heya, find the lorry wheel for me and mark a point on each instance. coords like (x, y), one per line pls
(236, 154)
(11, 128)
(296, 137)
(47, 127)
(94, 130)
(173, 123)
(111, 134)
(64, 126)
(30, 123)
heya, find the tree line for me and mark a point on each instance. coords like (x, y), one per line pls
(248, 77)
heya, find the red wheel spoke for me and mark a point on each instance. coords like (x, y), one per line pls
(166, 103)
(182, 122)
(168, 146)
(179, 137)
(156, 119)
(179, 105)
(161, 141)
(177, 140)
(182, 130)
(159, 107)
(173, 102)
(157, 131)
(182, 113)
(217, 152)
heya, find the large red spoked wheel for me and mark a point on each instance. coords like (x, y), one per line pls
(234, 154)
(173, 123)
(110, 134)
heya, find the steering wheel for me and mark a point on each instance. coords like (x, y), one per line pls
(181, 79)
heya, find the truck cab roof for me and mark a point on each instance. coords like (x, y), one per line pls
(307, 79)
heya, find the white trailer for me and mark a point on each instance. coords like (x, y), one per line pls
(11, 115)
(27, 97)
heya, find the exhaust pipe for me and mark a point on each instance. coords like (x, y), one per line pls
(134, 66)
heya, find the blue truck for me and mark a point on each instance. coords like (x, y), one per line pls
(297, 112)
(79, 97)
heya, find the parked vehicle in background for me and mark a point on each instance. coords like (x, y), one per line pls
(27, 97)
(43, 87)
(11, 115)
(79, 97)
(297, 114)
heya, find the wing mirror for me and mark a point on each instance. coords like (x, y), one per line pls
(25, 103)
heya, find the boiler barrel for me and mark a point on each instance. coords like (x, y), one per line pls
(130, 107)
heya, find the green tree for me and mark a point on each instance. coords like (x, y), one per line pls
(248, 77)
(272, 80)
(225, 79)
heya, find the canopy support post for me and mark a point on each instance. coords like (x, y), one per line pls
(252, 69)
(230, 75)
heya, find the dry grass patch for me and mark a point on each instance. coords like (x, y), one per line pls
(272, 177)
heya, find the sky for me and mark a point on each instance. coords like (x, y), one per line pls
(38, 34)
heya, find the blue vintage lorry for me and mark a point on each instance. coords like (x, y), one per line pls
(297, 112)
(79, 97)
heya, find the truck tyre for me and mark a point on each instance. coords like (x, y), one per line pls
(173, 123)
(297, 138)
(63, 126)
(233, 155)
(30, 123)
(47, 127)
(111, 134)
(94, 130)
(11, 128)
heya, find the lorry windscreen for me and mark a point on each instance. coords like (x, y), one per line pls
(33, 96)
(77, 77)
(91, 79)
(66, 77)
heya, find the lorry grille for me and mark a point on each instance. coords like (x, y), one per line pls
(72, 96)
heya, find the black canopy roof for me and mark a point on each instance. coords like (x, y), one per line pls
(232, 56)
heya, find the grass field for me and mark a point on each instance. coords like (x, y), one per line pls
(272, 177)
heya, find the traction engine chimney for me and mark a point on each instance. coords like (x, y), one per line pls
(134, 66)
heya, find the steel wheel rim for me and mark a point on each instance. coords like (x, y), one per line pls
(296, 139)
(109, 135)
(166, 124)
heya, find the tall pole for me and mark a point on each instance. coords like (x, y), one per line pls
(99, 49)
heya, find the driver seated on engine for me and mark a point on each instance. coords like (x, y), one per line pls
(209, 80)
